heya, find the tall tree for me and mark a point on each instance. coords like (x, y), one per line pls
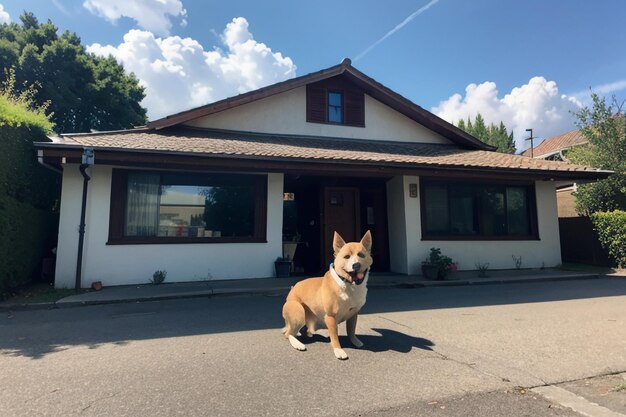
(85, 91)
(604, 126)
(497, 136)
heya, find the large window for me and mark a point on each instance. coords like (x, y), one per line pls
(477, 210)
(153, 207)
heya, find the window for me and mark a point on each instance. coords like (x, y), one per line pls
(152, 207)
(471, 210)
(335, 107)
(335, 101)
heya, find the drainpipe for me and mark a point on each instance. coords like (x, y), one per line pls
(87, 161)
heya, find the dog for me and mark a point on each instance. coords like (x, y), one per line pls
(332, 299)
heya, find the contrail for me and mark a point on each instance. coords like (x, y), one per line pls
(397, 28)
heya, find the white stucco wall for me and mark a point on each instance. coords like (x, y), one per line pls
(534, 253)
(285, 113)
(135, 264)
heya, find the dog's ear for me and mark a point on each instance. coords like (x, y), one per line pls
(367, 241)
(338, 243)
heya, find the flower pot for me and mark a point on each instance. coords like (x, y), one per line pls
(282, 268)
(431, 271)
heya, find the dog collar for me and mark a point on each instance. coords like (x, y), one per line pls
(342, 281)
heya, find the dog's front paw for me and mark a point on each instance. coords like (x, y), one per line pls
(356, 342)
(340, 353)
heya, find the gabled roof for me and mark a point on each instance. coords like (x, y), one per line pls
(556, 144)
(370, 86)
(262, 148)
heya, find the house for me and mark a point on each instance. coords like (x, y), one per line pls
(579, 239)
(555, 149)
(218, 191)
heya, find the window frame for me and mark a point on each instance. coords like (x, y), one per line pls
(341, 107)
(117, 214)
(531, 201)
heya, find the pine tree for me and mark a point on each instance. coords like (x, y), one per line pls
(497, 136)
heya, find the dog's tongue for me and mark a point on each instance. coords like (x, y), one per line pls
(360, 275)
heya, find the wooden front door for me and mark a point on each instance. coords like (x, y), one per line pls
(341, 214)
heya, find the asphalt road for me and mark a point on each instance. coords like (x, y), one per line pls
(465, 349)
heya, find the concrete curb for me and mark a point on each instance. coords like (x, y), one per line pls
(284, 289)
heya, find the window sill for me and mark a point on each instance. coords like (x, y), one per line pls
(182, 240)
(336, 124)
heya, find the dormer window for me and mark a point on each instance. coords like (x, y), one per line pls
(335, 101)
(335, 107)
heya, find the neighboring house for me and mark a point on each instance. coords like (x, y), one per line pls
(555, 149)
(214, 192)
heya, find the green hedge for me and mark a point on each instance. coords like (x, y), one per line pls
(29, 198)
(611, 228)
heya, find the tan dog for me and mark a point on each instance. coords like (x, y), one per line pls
(332, 299)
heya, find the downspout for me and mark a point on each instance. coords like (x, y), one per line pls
(87, 161)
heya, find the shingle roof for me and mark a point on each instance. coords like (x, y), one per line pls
(259, 146)
(557, 143)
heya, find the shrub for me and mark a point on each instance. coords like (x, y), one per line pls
(158, 277)
(611, 228)
(29, 194)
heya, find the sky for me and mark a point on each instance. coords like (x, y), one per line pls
(530, 64)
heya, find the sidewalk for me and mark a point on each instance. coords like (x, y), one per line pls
(279, 286)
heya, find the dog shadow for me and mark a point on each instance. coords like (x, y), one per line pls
(388, 340)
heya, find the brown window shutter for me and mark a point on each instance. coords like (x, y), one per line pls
(355, 108)
(315, 104)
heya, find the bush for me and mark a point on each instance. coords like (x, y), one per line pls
(158, 277)
(611, 228)
(29, 195)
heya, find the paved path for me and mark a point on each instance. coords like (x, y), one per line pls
(460, 346)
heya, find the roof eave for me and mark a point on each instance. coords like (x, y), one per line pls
(544, 174)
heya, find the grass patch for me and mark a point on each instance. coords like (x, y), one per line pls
(620, 387)
(38, 293)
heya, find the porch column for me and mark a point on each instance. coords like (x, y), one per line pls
(403, 213)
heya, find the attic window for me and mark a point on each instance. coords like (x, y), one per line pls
(335, 107)
(336, 104)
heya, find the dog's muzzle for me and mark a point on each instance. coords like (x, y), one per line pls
(358, 276)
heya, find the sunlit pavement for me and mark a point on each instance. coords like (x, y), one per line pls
(436, 351)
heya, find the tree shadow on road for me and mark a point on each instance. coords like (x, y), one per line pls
(36, 334)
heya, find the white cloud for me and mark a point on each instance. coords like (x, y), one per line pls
(152, 15)
(537, 105)
(4, 16)
(607, 89)
(179, 74)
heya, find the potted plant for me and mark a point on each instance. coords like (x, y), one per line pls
(437, 265)
(283, 266)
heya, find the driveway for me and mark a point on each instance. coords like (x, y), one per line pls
(225, 356)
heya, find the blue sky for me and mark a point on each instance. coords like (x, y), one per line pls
(511, 60)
